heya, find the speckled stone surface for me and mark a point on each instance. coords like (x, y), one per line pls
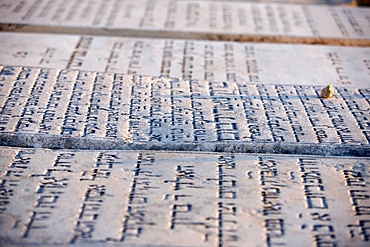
(88, 110)
(259, 63)
(104, 198)
(240, 21)
(157, 139)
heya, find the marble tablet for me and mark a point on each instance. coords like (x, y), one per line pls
(189, 59)
(147, 198)
(217, 20)
(75, 109)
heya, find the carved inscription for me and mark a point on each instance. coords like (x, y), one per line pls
(102, 169)
(177, 198)
(31, 113)
(11, 177)
(322, 230)
(359, 196)
(227, 218)
(89, 213)
(21, 87)
(140, 109)
(80, 52)
(201, 60)
(358, 108)
(57, 103)
(224, 20)
(52, 185)
(135, 218)
(271, 200)
(181, 209)
(91, 208)
(77, 107)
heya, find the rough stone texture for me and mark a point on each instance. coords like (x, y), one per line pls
(240, 21)
(158, 197)
(52, 197)
(352, 3)
(202, 60)
(325, 2)
(66, 108)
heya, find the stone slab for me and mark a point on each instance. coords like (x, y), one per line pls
(325, 2)
(190, 59)
(75, 109)
(143, 198)
(241, 21)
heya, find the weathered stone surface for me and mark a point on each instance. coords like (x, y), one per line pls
(52, 197)
(240, 21)
(73, 109)
(325, 2)
(352, 3)
(204, 60)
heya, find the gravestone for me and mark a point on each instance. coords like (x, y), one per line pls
(189, 59)
(241, 21)
(325, 2)
(53, 197)
(168, 141)
(76, 109)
